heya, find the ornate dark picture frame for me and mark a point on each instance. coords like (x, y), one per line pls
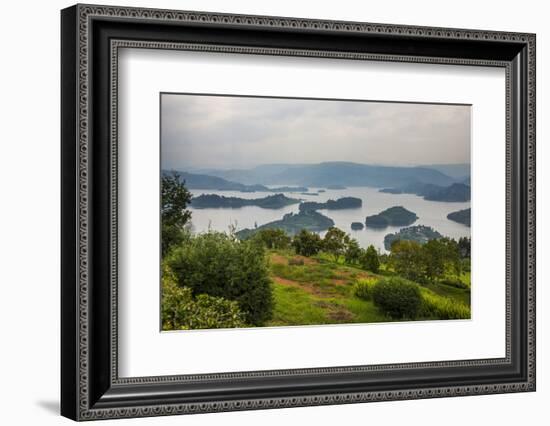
(91, 37)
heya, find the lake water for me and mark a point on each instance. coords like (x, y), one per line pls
(430, 213)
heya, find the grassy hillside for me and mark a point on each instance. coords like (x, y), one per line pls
(317, 290)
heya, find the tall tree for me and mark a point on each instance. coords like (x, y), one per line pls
(370, 260)
(335, 242)
(175, 198)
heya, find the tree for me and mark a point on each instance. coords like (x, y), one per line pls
(273, 238)
(464, 246)
(370, 260)
(353, 251)
(434, 259)
(216, 264)
(335, 242)
(306, 243)
(174, 215)
(406, 258)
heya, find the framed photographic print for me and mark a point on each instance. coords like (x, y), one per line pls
(263, 212)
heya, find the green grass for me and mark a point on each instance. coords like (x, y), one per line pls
(321, 291)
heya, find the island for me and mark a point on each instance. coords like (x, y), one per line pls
(214, 201)
(394, 216)
(419, 233)
(292, 223)
(340, 204)
(309, 193)
(461, 216)
(456, 192)
(357, 226)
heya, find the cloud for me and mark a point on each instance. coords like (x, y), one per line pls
(241, 132)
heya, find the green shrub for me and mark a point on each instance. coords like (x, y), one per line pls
(441, 307)
(363, 288)
(181, 311)
(295, 261)
(214, 263)
(397, 297)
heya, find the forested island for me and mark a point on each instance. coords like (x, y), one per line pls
(394, 216)
(339, 204)
(461, 216)
(456, 192)
(357, 226)
(292, 223)
(420, 234)
(214, 201)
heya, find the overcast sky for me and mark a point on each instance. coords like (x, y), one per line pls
(239, 132)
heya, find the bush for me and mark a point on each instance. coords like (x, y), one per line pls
(295, 261)
(218, 265)
(307, 243)
(180, 311)
(363, 289)
(441, 307)
(397, 297)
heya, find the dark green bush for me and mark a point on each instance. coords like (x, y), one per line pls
(397, 297)
(182, 311)
(218, 265)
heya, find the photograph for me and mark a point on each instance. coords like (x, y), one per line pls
(281, 212)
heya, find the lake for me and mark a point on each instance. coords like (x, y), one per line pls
(430, 213)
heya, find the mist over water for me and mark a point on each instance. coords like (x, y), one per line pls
(430, 213)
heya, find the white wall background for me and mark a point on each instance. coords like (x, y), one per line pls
(29, 213)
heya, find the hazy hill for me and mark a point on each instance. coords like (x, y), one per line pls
(203, 181)
(333, 173)
(456, 171)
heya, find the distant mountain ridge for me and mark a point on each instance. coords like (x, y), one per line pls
(202, 181)
(332, 173)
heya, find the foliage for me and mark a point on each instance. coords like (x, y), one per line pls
(427, 262)
(353, 251)
(363, 288)
(273, 238)
(442, 307)
(406, 259)
(307, 243)
(216, 264)
(335, 242)
(369, 259)
(175, 198)
(181, 311)
(397, 297)
(464, 247)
